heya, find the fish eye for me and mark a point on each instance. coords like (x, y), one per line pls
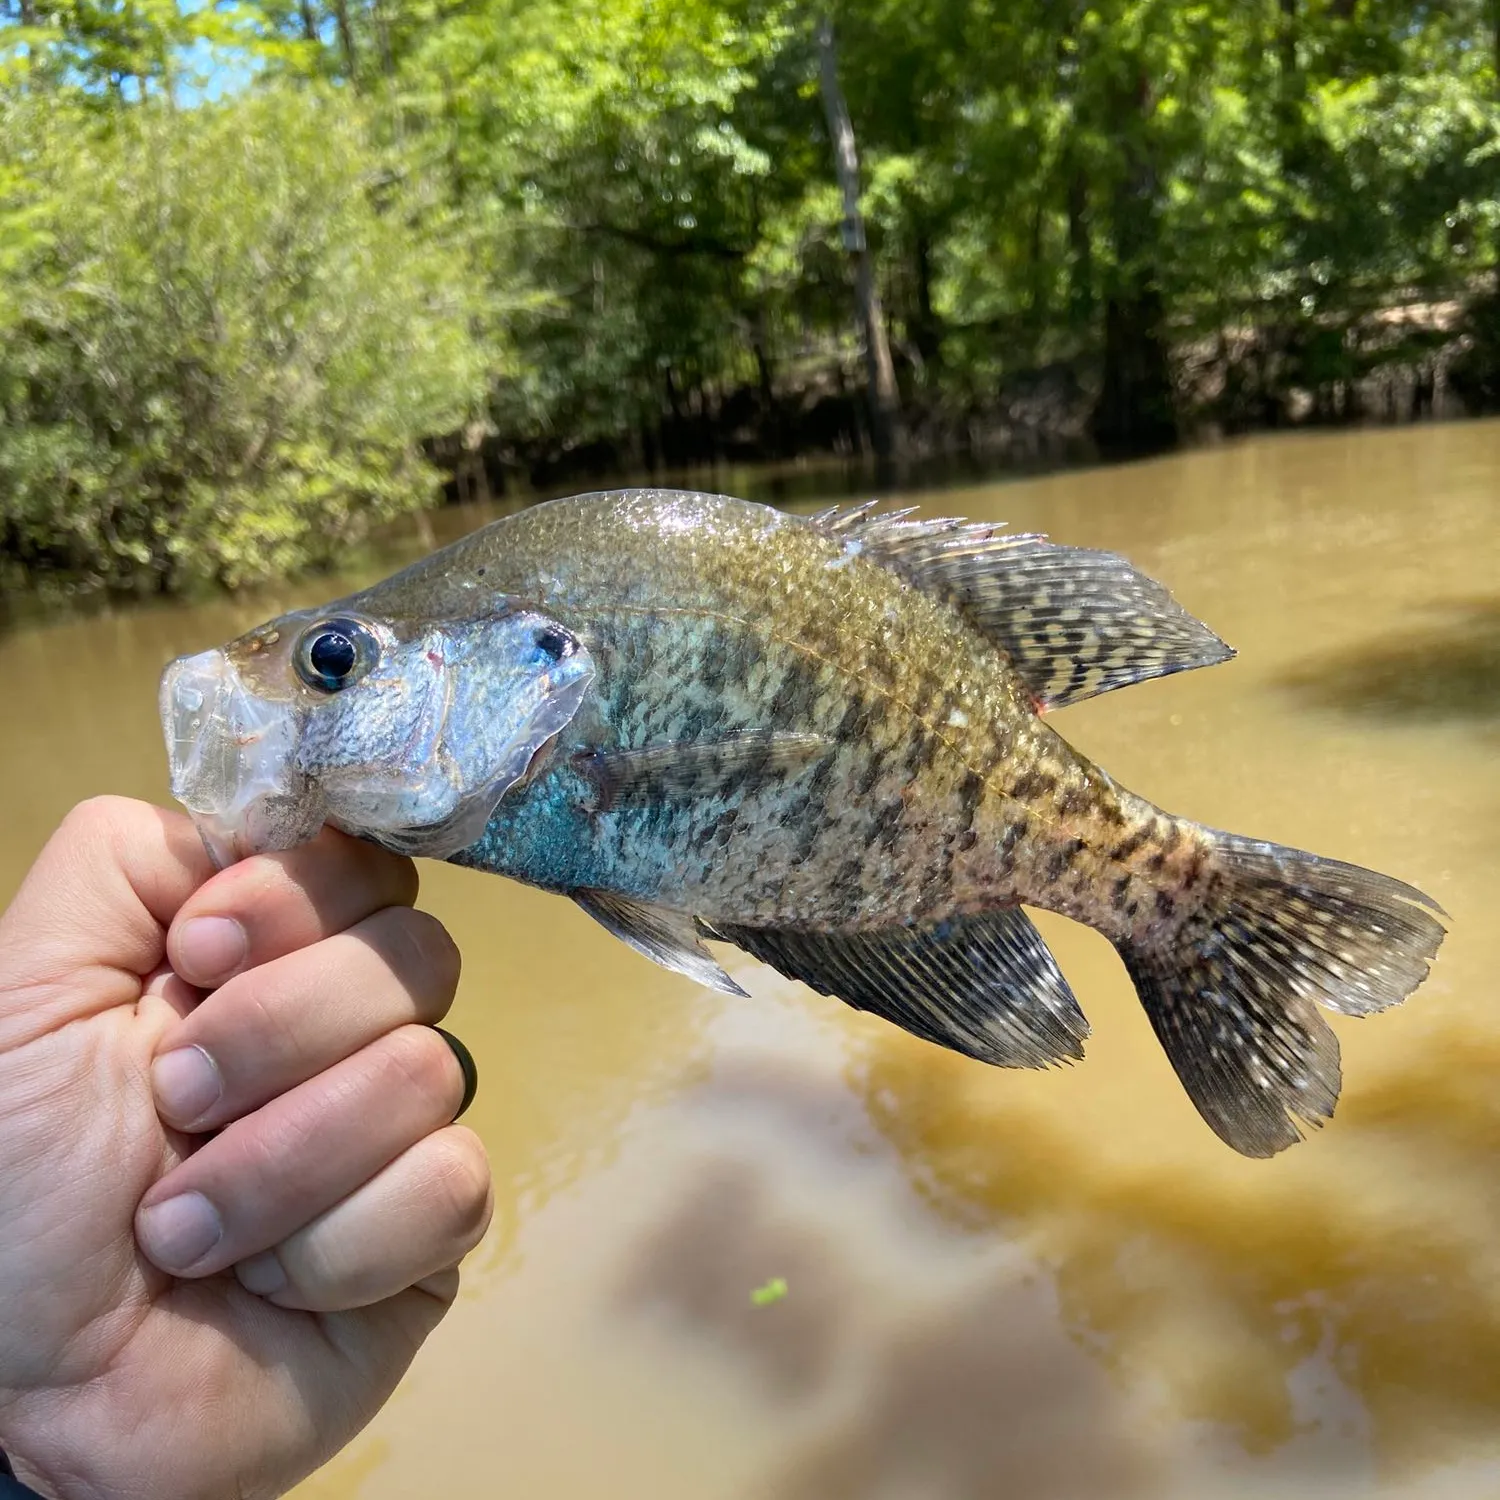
(555, 642)
(335, 653)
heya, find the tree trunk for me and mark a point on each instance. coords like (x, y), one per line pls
(1291, 91)
(927, 332)
(346, 40)
(772, 423)
(1286, 57)
(1137, 407)
(1495, 25)
(885, 412)
(309, 24)
(1080, 251)
(1036, 274)
(383, 38)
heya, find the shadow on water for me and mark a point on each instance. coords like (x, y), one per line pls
(717, 1242)
(978, 1403)
(1335, 1309)
(1372, 1257)
(1445, 668)
(962, 1388)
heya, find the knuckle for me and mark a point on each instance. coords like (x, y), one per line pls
(102, 811)
(264, 1023)
(250, 1032)
(423, 951)
(265, 1151)
(418, 1060)
(459, 1179)
(104, 819)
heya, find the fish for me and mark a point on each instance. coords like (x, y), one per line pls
(825, 740)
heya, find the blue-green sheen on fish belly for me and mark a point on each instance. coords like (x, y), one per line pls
(820, 739)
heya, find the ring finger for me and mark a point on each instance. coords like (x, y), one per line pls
(269, 1173)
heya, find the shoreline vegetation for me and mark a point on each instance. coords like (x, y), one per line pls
(1402, 363)
(275, 275)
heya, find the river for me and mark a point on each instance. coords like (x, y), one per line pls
(1054, 1286)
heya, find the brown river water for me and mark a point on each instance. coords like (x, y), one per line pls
(1000, 1285)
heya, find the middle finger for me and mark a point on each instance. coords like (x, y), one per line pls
(278, 1025)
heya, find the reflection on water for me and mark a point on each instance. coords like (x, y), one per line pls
(1442, 663)
(1040, 1286)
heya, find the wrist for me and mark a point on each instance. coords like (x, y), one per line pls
(19, 1482)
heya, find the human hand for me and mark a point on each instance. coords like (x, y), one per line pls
(213, 1310)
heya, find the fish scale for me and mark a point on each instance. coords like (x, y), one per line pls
(821, 739)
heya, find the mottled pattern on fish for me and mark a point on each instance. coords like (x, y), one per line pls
(943, 792)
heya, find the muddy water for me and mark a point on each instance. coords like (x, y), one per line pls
(999, 1284)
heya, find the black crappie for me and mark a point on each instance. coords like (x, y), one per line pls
(818, 739)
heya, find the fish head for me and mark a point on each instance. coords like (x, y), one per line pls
(407, 732)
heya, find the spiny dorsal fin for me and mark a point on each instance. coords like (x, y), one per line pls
(665, 937)
(697, 768)
(1074, 622)
(985, 986)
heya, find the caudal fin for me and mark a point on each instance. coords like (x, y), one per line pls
(1233, 991)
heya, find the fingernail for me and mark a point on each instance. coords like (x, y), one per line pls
(262, 1274)
(210, 949)
(179, 1232)
(187, 1085)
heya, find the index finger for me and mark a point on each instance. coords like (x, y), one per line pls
(270, 905)
(87, 921)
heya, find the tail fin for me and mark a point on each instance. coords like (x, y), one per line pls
(1231, 990)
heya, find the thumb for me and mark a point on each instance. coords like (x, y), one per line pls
(91, 916)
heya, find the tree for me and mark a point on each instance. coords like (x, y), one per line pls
(230, 334)
(627, 208)
(885, 410)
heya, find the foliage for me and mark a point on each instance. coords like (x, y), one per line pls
(616, 223)
(229, 329)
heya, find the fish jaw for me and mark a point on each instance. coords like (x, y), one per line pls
(231, 758)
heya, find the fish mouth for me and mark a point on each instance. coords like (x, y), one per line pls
(231, 758)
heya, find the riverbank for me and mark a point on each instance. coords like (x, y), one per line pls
(1411, 361)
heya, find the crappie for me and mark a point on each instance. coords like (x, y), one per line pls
(820, 739)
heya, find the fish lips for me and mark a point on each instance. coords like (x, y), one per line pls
(231, 758)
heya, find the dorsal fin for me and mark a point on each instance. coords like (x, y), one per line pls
(1074, 622)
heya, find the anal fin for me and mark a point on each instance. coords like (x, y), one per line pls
(985, 986)
(667, 938)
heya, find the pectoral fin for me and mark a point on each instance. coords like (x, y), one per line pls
(986, 986)
(666, 937)
(1074, 622)
(697, 768)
